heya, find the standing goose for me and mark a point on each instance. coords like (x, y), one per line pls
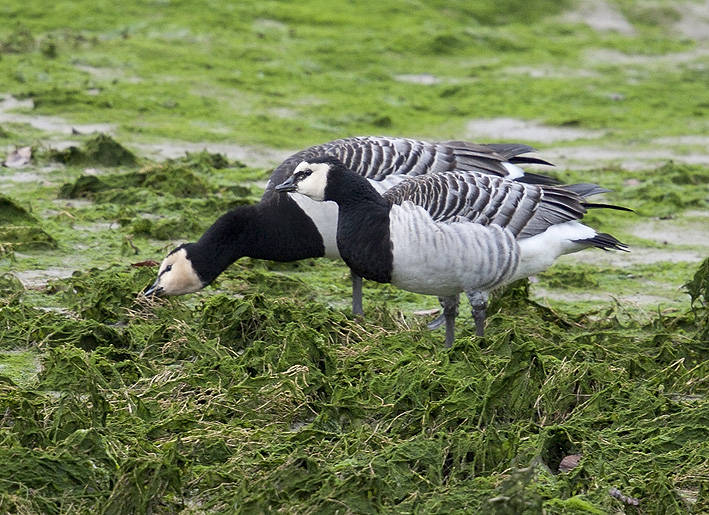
(285, 228)
(445, 233)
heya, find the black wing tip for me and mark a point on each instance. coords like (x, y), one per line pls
(595, 205)
(510, 150)
(528, 160)
(587, 189)
(538, 179)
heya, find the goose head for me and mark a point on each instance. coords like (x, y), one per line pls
(309, 178)
(176, 275)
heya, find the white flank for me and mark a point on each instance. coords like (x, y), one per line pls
(324, 214)
(388, 182)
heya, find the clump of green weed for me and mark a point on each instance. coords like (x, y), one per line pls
(102, 150)
(19, 228)
(19, 41)
(205, 161)
(103, 295)
(698, 290)
(11, 289)
(175, 180)
(163, 201)
(12, 213)
(154, 188)
(664, 190)
(698, 286)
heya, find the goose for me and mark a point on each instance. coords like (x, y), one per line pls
(446, 233)
(289, 228)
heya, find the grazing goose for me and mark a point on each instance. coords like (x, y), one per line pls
(285, 228)
(446, 233)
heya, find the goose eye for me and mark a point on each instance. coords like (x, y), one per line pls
(167, 268)
(303, 174)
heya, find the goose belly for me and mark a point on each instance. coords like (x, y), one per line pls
(448, 258)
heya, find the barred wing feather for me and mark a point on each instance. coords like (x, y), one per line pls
(525, 209)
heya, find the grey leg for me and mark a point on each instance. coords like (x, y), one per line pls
(478, 301)
(356, 294)
(441, 319)
(450, 311)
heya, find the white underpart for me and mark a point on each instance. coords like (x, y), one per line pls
(515, 172)
(445, 259)
(324, 216)
(540, 251)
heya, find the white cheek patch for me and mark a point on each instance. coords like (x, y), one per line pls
(313, 186)
(181, 278)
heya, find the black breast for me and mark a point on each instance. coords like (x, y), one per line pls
(364, 241)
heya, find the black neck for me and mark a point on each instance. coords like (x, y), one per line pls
(363, 236)
(351, 189)
(275, 229)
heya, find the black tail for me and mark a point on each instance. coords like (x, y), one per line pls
(605, 241)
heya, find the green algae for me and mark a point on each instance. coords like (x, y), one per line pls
(99, 151)
(18, 367)
(664, 190)
(698, 290)
(262, 394)
(11, 288)
(261, 400)
(13, 213)
(20, 229)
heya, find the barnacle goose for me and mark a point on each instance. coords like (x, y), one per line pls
(445, 233)
(285, 228)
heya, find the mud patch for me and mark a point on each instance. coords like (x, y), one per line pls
(39, 278)
(521, 130)
(51, 124)
(600, 16)
(694, 22)
(669, 232)
(629, 156)
(425, 79)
